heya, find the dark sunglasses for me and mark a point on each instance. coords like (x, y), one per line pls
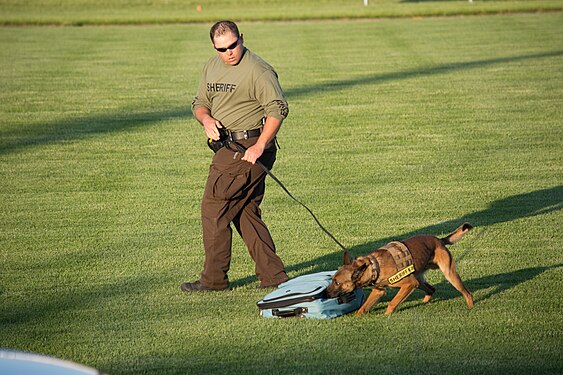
(232, 46)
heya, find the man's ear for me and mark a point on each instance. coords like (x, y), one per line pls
(359, 272)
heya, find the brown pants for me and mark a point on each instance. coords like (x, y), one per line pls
(233, 194)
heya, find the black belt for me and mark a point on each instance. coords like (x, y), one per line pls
(245, 134)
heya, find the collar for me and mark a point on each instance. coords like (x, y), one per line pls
(375, 270)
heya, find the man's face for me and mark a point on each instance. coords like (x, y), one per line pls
(229, 47)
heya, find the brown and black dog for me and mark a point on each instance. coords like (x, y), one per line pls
(374, 270)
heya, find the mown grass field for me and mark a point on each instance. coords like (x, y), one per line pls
(397, 127)
(96, 12)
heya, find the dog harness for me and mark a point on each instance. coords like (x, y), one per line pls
(403, 261)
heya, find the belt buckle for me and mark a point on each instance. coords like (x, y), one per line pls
(245, 134)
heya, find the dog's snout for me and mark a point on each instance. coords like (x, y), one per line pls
(332, 291)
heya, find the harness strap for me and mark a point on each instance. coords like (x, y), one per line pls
(401, 254)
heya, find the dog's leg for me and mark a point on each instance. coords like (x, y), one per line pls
(445, 261)
(425, 287)
(372, 299)
(403, 293)
(428, 289)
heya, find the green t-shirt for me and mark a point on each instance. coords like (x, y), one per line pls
(241, 95)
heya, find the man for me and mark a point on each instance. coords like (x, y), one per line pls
(240, 93)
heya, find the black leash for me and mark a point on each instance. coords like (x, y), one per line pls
(242, 150)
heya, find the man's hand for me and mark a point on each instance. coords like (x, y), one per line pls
(271, 127)
(211, 127)
(253, 153)
(210, 124)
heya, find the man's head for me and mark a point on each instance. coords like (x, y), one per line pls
(227, 41)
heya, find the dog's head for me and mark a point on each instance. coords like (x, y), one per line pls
(350, 277)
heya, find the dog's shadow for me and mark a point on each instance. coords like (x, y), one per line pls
(491, 285)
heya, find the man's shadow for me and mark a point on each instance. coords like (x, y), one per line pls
(515, 207)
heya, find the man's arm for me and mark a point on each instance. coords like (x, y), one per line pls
(210, 124)
(271, 128)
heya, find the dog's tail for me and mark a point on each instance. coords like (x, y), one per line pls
(457, 234)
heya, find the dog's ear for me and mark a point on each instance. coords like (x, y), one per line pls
(359, 272)
(348, 258)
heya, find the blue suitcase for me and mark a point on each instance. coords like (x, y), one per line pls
(305, 297)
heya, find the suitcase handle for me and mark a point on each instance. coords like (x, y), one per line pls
(299, 311)
(346, 298)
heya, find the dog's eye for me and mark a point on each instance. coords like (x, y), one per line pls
(336, 283)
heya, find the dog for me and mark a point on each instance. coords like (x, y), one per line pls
(379, 270)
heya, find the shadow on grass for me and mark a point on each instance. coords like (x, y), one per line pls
(80, 128)
(44, 304)
(89, 126)
(496, 283)
(430, 71)
(492, 284)
(504, 210)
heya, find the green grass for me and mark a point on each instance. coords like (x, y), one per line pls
(85, 12)
(397, 127)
